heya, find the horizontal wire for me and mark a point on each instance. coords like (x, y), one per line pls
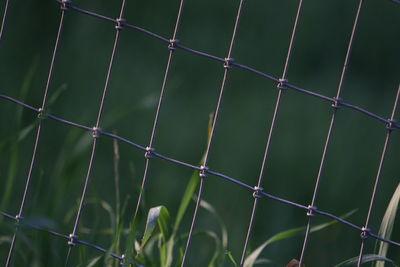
(54, 233)
(241, 66)
(197, 168)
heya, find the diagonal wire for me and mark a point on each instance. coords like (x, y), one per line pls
(41, 115)
(118, 27)
(365, 230)
(203, 171)
(193, 167)
(281, 87)
(235, 64)
(150, 149)
(335, 106)
(3, 20)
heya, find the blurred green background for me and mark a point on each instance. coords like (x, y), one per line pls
(191, 95)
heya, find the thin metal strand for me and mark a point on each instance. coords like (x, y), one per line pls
(54, 233)
(235, 64)
(37, 138)
(128, 142)
(172, 44)
(73, 235)
(3, 21)
(214, 124)
(271, 131)
(261, 175)
(329, 135)
(192, 225)
(378, 178)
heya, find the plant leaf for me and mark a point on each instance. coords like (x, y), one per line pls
(166, 252)
(157, 216)
(230, 256)
(224, 233)
(187, 197)
(130, 242)
(252, 258)
(94, 261)
(219, 252)
(192, 185)
(366, 258)
(386, 227)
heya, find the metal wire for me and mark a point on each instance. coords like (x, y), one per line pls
(118, 28)
(258, 192)
(204, 167)
(3, 20)
(149, 149)
(194, 167)
(365, 229)
(335, 106)
(41, 113)
(281, 87)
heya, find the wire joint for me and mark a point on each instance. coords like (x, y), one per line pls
(149, 152)
(203, 171)
(282, 85)
(257, 192)
(173, 44)
(228, 62)
(311, 209)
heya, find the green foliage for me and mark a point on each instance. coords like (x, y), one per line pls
(365, 259)
(387, 224)
(254, 256)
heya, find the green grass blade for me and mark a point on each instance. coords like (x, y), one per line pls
(366, 258)
(192, 185)
(157, 216)
(187, 197)
(386, 227)
(252, 258)
(224, 232)
(219, 253)
(130, 242)
(93, 262)
(231, 258)
(14, 142)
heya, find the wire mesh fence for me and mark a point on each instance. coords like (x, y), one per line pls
(151, 153)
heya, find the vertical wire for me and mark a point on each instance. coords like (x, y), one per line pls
(41, 115)
(3, 21)
(73, 235)
(365, 232)
(158, 110)
(330, 130)
(211, 138)
(271, 131)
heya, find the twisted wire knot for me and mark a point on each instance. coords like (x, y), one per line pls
(282, 85)
(65, 4)
(41, 114)
(149, 152)
(120, 24)
(172, 44)
(72, 240)
(390, 125)
(96, 132)
(228, 62)
(337, 102)
(311, 210)
(257, 192)
(203, 171)
(365, 232)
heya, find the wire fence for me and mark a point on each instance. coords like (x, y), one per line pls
(282, 84)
